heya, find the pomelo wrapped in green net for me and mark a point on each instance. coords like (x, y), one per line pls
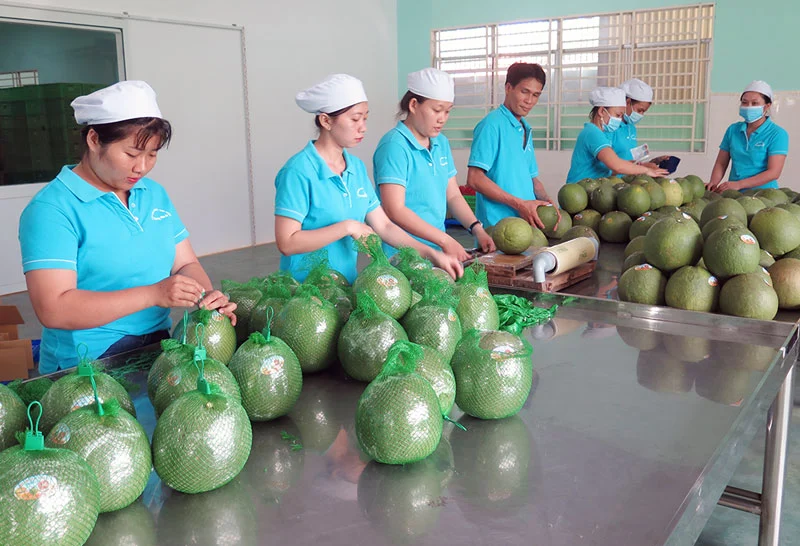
(385, 284)
(433, 367)
(114, 445)
(340, 296)
(320, 273)
(413, 266)
(269, 376)
(48, 497)
(398, 418)
(366, 339)
(173, 352)
(31, 391)
(476, 306)
(275, 297)
(283, 278)
(74, 391)
(220, 336)
(433, 321)
(245, 296)
(203, 439)
(131, 526)
(493, 372)
(12, 417)
(310, 325)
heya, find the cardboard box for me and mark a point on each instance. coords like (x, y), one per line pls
(10, 319)
(16, 355)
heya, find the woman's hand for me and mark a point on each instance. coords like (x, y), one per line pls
(453, 248)
(177, 291)
(218, 301)
(485, 242)
(656, 173)
(357, 230)
(450, 264)
(722, 186)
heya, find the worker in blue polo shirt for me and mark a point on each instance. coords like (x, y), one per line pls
(502, 166)
(415, 171)
(324, 198)
(104, 251)
(757, 147)
(593, 155)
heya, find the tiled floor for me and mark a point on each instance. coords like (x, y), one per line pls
(726, 528)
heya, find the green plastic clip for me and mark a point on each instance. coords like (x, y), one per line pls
(34, 439)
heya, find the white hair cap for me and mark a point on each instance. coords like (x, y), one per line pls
(607, 96)
(119, 102)
(432, 84)
(332, 94)
(637, 90)
(759, 87)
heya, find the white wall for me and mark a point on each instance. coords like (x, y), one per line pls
(289, 46)
(724, 110)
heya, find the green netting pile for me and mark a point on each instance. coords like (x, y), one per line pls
(269, 376)
(245, 296)
(114, 445)
(203, 439)
(385, 284)
(517, 313)
(310, 325)
(398, 418)
(433, 322)
(332, 289)
(131, 526)
(366, 339)
(31, 391)
(48, 497)
(75, 390)
(476, 306)
(433, 366)
(173, 352)
(220, 336)
(275, 297)
(12, 417)
(493, 372)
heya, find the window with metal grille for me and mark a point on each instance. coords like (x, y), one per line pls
(669, 48)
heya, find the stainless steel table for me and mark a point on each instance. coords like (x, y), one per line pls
(637, 423)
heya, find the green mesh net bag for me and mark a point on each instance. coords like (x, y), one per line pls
(310, 325)
(131, 526)
(114, 445)
(476, 306)
(31, 391)
(48, 497)
(74, 391)
(413, 266)
(245, 296)
(340, 296)
(220, 336)
(275, 297)
(283, 278)
(173, 352)
(493, 372)
(433, 322)
(398, 418)
(385, 284)
(269, 376)
(12, 417)
(366, 339)
(433, 367)
(203, 439)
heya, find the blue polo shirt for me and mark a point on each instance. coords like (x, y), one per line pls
(308, 191)
(73, 225)
(585, 164)
(502, 146)
(423, 172)
(749, 155)
(624, 139)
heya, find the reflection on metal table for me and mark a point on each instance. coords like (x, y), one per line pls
(638, 421)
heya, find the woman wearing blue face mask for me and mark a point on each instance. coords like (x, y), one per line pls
(594, 155)
(756, 147)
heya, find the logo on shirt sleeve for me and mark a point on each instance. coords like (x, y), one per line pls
(160, 214)
(362, 193)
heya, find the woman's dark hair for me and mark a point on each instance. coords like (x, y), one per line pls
(522, 71)
(594, 112)
(335, 114)
(766, 98)
(144, 128)
(406, 101)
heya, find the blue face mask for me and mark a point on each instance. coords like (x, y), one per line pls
(612, 125)
(634, 118)
(751, 113)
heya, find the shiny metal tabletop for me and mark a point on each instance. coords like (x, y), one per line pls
(638, 421)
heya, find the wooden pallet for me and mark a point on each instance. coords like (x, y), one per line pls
(498, 264)
(516, 272)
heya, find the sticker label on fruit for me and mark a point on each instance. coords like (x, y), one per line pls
(84, 401)
(578, 216)
(641, 218)
(686, 216)
(387, 281)
(451, 315)
(712, 281)
(502, 351)
(174, 378)
(483, 293)
(216, 315)
(648, 213)
(271, 365)
(36, 487)
(748, 239)
(643, 267)
(419, 266)
(61, 434)
(722, 217)
(673, 181)
(316, 300)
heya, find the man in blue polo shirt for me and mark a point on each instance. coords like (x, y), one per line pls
(502, 165)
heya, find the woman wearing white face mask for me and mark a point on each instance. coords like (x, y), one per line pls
(757, 147)
(594, 156)
(638, 99)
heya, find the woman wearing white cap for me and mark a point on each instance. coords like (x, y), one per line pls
(104, 251)
(593, 155)
(415, 171)
(757, 146)
(324, 198)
